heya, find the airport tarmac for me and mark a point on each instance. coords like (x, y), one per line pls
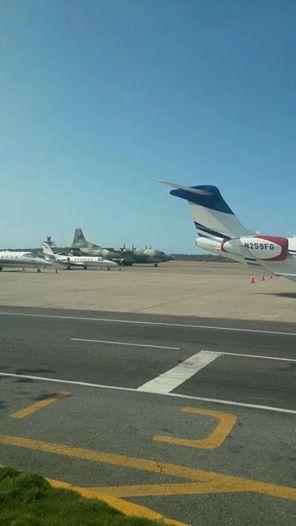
(191, 418)
(214, 290)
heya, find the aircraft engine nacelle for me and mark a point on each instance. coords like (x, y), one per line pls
(268, 248)
(208, 244)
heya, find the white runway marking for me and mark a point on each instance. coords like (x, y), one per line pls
(138, 322)
(258, 356)
(125, 343)
(166, 382)
(132, 390)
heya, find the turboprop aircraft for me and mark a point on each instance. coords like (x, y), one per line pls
(81, 246)
(123, 256)
(222, 233)
(13, 258)
(150, 255)
(76, 261)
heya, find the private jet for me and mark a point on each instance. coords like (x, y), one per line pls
(14, 258)
(220, 232)
(70, 261)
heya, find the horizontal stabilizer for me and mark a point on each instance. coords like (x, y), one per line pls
(190, 189)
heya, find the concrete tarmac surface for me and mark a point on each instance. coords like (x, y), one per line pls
(192, 418)
(214, 290)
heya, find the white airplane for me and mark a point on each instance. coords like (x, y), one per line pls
(76, 261)
(222, 233)
(13, 258)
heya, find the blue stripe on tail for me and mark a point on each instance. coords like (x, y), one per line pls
(206, 230)
(214, 201)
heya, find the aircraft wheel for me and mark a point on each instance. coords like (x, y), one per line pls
(85, 267)
(1, 268)
(38, 270)
(155, 265)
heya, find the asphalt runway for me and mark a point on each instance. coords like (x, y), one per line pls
(191, 418)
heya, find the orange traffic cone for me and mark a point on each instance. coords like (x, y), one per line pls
(262, 278)
(252, 280)
(271, 276)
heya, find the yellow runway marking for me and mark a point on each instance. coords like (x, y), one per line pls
(215, 439)
(128, 508)
(222, 484)
(38, 405)
(205, 481)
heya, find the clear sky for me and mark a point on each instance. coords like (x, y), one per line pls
(101, 98)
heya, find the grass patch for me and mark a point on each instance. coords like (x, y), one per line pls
(29, 500)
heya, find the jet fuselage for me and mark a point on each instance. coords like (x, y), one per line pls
(13, 258)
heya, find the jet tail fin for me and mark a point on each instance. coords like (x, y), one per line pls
(212, 216)
(47, 250)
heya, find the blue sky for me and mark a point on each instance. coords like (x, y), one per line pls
(101, 98)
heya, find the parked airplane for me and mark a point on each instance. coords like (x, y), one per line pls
(123, 256)
(83, 247)
(14, 258)
(76, 261)
(150, 255)
(222, 233)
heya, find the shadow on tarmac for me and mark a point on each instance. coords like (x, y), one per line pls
(289, 295)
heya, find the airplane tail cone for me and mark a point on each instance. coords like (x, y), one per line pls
(252, 280)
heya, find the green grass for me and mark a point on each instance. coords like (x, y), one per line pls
(29, 500)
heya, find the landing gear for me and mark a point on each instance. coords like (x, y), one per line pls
(155, 265)
(38, 270)
(85, 267)
(1, 268)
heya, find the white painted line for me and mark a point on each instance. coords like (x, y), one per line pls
(236, 404)
(72, 382)
(138, 322)
(166, 382)
(173, 395)
(125, 343)
(259, 356)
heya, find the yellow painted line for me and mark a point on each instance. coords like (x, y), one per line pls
(213, 480)
(100, 456)
(38, 405)
(215, 439)
(128, 508)
(227, 484)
